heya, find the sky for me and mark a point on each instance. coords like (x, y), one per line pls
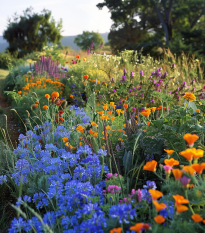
(77, 15)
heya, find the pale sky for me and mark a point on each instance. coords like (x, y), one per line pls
(77, 15)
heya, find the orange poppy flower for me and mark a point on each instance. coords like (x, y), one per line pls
(118, 111)
(153, 109)
(164, 107)
(177, 173)
(112, 103)
(159, 219)
(65, 139)
(189, 169)
(95, 134)
(155, 194)
(188, 154)
(169, 152)
(104, 117)
(198, 110)
(114, 106)
(94, 124)
(91, 131)
(159, 206)
(55, 94)
(110, 112)
(86, 76)
(197, 218)
(78, 57)
(105, 107)
(180, 200)
(190, 138)
(125, 106)
(45, 107)
(197, 153)
(158, 108)
(146, 112)
(122, 112)
(71, 96)
(181, 208)
(113, 118)
(47, 96)
(80, 128)
(137, 227)
(101, 113)
(198, 167)
(171, 162)
(148, 123)
(150, 166)
(108, 127)
(116, 230)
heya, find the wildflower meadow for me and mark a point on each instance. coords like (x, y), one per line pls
(111, 143)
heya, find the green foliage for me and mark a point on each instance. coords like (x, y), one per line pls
(31, 32)
(85, 40)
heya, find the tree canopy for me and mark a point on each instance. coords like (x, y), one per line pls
(152, 21)
(32, 31)
(88, 39)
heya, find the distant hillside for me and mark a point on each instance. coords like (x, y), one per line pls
(66, 41)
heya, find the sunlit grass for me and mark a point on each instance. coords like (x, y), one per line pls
(3, 73)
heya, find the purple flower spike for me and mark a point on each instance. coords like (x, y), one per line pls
(141, 73)
(173, 65)
(132, 75)
(153, 101)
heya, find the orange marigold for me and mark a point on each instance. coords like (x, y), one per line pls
(189, 96)
(45, 107)
(55, 94)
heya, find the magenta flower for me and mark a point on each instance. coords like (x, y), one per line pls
(167, 168)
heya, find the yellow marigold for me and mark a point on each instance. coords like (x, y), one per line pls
(189, 96)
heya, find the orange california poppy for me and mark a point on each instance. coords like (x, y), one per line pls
(198, 110)
(101, 113)
(150, 166)
(71, 96)
(91, 131)
(112, 103)
(47, 96)
(78, 57)
(169, 152)
(105, 107)
(80, 128)
(155, 194)
(177, 173)
(125, 106)
(159, 206)
(86, 76)
(55, 94)
(118, 111)
(198, 167)
(94, 124)
(45, 107)
(65, 139)
(122, 111)
(188, 154)
(104, 117)
(110, 112)
(180, 200)
(189, 169)
(181, 208)
(159, 219)
(148, 123)
(146, 112)
(137, 227)
(153, 109)
(190, 138)
(171, 162)
(197, 218)
(95, 134)
(113, 118)
(197, 153)
(116, 230)
(108, 127)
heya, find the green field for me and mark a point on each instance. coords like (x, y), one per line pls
(3, 73)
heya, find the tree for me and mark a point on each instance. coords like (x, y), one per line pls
(31, 32)
(85, 40)
(165, 18)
